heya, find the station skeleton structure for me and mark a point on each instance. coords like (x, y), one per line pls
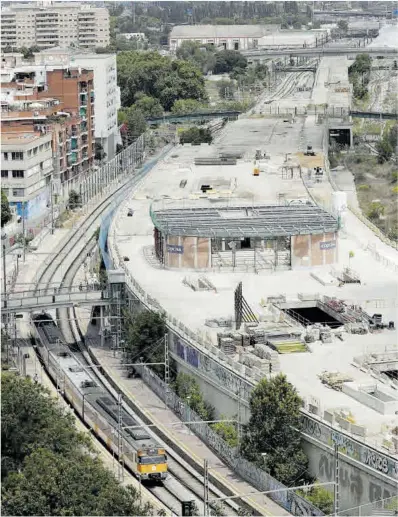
(197, 237)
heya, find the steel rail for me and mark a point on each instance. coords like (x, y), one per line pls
(76, 247)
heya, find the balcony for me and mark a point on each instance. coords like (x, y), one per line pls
(83, 99)
(72, 159)
(83, 128)
(75, 144)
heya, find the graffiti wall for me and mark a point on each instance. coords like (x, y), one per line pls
(366, 475)
(350, 447)
(357, 487)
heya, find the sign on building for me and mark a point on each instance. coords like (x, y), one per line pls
(173, 248)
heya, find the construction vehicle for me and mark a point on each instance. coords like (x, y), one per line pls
(309, 151)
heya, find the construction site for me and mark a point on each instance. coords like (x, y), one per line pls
(249, 250)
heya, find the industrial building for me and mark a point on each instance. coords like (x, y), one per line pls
(230, 37)
(198, 237)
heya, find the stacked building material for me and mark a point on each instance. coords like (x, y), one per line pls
(227, 345)
(265, 352)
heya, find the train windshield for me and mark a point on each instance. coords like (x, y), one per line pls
(150, 460)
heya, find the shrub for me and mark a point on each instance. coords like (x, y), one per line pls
(363, 187)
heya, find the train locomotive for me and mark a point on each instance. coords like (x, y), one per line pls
(80, 387)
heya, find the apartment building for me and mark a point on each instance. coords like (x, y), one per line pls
(62, 106)
(26, 168)
(107, 92)
(60, 23)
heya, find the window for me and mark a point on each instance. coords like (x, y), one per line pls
(5, 156)
(18, 174)
(29, 152)
(4, 174)
(19, 192)
(17, 155)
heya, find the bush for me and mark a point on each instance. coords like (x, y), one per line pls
(196, 135)
(74, 200)
(376, 210)
(319, 497)
(363, 187)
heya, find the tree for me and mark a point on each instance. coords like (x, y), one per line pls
(188, 389)
(202, 56)
(273, 429)
(158, 76)
(196, 135)
(32, 420)
(342, 25)
(74, 200)
(149, 106)
(226, 89)
(136, 123)
(376, 210)
(144, 333)
(384, 150)
(228, 60)
(6, 215)
(53, 484)
(184, 106)
(227, 431)
(319, 497)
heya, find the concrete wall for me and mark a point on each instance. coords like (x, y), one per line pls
(314, 250)
(366, 475)
(357, 485)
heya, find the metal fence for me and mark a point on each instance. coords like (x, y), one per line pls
(257, 477)
(387, 507)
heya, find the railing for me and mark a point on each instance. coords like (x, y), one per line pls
(49, 300)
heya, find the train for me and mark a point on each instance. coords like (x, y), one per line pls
(135, 448)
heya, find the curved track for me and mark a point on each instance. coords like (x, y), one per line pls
(182, 483)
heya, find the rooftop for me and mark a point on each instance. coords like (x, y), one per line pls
(221, 31)
(19, 138)
(235, 185)
(242, 221)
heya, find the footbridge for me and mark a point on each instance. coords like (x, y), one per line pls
(203, 115)
(52, 298)
(319, 52)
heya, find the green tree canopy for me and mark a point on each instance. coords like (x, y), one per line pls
(202, 56)
(188, 389)
(273, 429)
(228, 60)
(53, 484)
(136, 123)
(319, 497)
(5, 209)
(32, 420)
(158, 76)
(184, 106)
(144, 333)
(149, 106)
(48, 467)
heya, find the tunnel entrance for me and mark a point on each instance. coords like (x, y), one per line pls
(310, 315)
(392, 374)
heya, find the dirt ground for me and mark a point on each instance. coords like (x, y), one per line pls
(311, 161)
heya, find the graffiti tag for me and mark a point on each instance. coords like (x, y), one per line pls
(376, 461)
(311, 427)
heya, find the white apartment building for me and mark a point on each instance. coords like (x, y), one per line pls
(107, 93)
(26, 168)
(55, 24)
(231, 37)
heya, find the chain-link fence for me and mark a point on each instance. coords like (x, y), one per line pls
(387, 507)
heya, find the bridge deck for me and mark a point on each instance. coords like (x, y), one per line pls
(26, 303)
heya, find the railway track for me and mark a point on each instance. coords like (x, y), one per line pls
(182, 483)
